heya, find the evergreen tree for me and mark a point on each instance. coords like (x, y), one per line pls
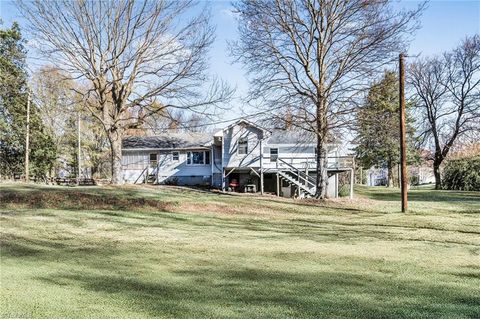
(13, 111)
(378, 127)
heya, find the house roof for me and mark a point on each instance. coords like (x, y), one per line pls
(190, 140)
(246, 122)
(291, 137)
(168, 141)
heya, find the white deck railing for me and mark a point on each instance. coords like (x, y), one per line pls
(333, 162)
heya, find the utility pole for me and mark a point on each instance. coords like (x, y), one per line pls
(403, 143)
(27, 141)
(79, 148)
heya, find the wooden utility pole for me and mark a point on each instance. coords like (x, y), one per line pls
(27, 141)
(403, 143)
(79, 148)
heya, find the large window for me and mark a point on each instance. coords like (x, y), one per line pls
(243, 145)
(198, 158)
(273, 154)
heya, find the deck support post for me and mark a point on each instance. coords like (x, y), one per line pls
(223, 179)
(261, 181)
(261, 167)
(351, 182)
(278, 185)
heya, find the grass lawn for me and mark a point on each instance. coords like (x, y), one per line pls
(166, 252)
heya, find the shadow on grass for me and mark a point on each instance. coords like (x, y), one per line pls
(425, 195)
(221, 291)
(47, 250)
(217, 292)
(79, 200)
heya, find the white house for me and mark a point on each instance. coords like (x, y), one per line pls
(241, 157)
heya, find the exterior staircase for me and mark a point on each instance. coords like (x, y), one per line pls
(147, 176)
(295, 177)
(151, 179)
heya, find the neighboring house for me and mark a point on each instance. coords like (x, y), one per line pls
(241, 157)
(377, 176)
(419, 174)
(422, 172)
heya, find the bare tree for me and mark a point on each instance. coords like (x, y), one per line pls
(56, 103)
(54, 98)
(317, 56)
(448, 98)
(176, 120)
(136, 57)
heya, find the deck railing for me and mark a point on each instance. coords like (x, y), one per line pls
(333, 162)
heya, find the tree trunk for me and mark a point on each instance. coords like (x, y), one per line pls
(322, 174)
(436, 172)
(115, 138)
(94, 170)
(390, 174)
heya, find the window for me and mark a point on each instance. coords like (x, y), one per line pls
(153, 160)
(198, 158)
(207, 157)
(243, 145)
(273, 154)
(175, 156)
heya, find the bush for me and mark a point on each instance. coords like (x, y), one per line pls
(462, 174)
(414, 180)
(344, 191)
(343, 184)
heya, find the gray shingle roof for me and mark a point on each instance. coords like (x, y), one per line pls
(291, 137)
(168, 141)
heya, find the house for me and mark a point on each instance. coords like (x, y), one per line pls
(419, 173)
(241, 157)
(377, 176)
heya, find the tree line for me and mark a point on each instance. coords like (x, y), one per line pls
(130, 65)
(444, 110)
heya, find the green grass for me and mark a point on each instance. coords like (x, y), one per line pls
(166, 252)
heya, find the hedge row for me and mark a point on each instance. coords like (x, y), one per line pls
(462, 174)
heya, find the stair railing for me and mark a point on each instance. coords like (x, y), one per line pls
(141, 174)
(306, 179)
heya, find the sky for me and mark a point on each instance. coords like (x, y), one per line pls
(444, 25)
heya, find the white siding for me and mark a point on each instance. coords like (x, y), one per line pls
(231, 136)
(135, 159)
(169, 170)
(300, 156)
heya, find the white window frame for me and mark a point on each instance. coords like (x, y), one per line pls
(275, 157)
(242, 140)
(177, 155)
(152, 163)
(204, 162)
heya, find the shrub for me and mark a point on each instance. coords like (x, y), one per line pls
(462, 174)
(414, 180)
(344, 191)
(343, 184)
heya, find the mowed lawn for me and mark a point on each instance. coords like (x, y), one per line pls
(168, 252)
